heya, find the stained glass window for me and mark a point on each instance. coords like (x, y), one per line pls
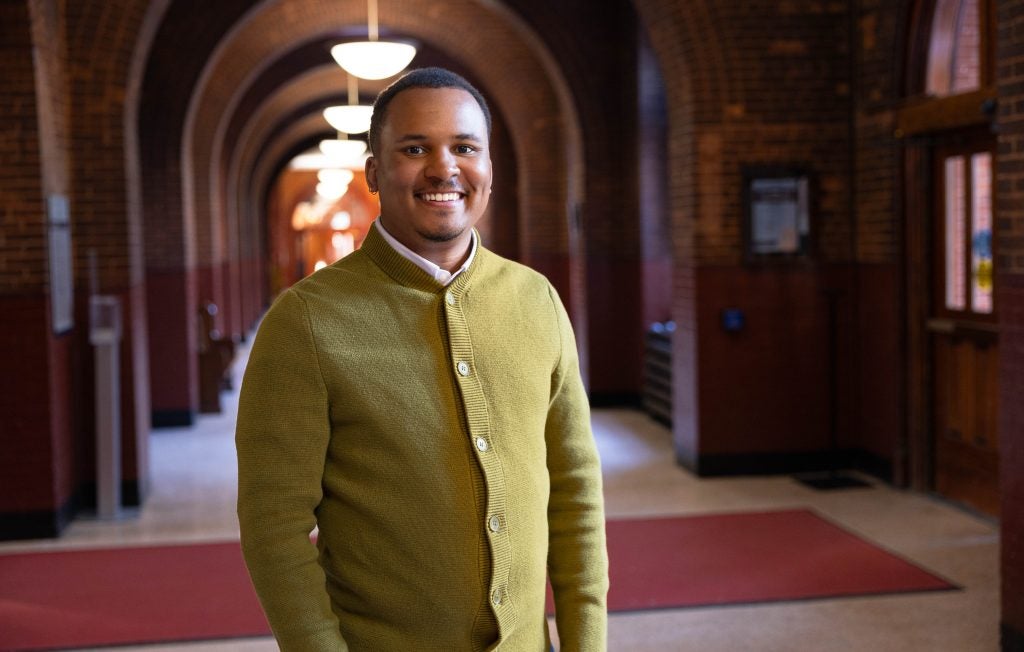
(981, 232)
(956, 294)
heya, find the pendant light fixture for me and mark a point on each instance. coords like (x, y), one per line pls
(345, 152)
(333, 183)
(351, 118)
(373, 58)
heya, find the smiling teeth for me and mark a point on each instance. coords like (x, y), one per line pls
(441, 196)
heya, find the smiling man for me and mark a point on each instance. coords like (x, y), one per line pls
(420, 403)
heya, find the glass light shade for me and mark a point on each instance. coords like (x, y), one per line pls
(351, 118)
(343, 150)
(373, 59)
(311, 161)
(330, 190)
(335, 177)
(341, 220)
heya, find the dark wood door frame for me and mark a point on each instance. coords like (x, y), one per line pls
(918, 123)
(916, 453)
(916, 456)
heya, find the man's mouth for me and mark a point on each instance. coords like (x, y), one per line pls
(441, 196)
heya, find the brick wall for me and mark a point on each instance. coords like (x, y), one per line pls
(1010, 302)
(754, 84)
(879, 32)
(33, 142)
(604, 85)
(108, 253)
(69, 140)
(682, 66)
(38, 464)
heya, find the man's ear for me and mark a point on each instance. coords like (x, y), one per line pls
(371, 174)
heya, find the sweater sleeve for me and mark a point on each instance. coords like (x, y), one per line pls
(282, 434)
(577, 557)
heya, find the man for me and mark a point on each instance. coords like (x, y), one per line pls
(419, 401)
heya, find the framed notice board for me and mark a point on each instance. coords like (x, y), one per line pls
(777, 214)
(62, 280)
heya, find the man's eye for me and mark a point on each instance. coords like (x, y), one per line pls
(414, 149)
(465, 149)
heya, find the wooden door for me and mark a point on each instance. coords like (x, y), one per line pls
(963, 330)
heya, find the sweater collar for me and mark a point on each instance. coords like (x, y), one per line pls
(406, 272)
(442, 276)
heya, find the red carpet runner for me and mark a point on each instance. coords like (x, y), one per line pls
(748, 557)
(173, 593)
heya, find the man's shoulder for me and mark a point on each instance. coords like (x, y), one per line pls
(514, 272)
(344, 275)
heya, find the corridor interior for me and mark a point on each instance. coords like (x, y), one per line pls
(193, 492)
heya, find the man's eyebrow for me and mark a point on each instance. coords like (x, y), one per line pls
(411, 137)
(420, 137)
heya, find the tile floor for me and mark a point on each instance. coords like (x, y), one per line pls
(193, 494)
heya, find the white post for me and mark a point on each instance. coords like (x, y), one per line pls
(105, 336)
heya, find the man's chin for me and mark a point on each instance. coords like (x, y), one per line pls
(441, 235)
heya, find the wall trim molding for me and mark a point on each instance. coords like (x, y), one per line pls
(788, 462)
(172, 418)
(1011, 640)
(615, 399)
(50, 524)
(41, 524)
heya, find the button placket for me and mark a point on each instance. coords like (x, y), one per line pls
(464, 365)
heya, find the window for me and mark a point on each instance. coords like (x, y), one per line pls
(968, 233)
(956, 50)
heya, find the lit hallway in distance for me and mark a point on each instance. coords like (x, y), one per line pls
(193, 493)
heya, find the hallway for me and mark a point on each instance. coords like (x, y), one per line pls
(193, 500)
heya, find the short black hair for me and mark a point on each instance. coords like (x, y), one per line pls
(421, 78)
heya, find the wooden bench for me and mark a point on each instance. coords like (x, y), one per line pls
(215, 356)
(657, 387)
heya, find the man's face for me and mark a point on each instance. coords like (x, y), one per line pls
(433, 170)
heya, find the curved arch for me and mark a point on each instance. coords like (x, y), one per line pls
(257, 131)
(106, 195)
(954, 51)
(541, 121)
(679, 59)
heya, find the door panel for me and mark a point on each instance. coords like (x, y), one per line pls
(966, 445)
(963, 328)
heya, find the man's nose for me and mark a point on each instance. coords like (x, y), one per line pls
(442, 165)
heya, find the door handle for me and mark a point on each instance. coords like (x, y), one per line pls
(941, 325)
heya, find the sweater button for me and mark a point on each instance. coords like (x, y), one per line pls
(449, 298)
(463, 368)
(481, 444)
(496, 597)
(494, 523)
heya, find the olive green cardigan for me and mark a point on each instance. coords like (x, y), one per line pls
(439, 437)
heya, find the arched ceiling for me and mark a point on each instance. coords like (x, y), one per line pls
(214, 67)
(280, 96)
(262, 44)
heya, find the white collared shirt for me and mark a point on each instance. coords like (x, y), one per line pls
(442, 276)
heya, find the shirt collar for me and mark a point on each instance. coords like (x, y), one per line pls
(442, 276)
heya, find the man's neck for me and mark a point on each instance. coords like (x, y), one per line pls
(448, 255)
(451, 255)
(443, 275)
